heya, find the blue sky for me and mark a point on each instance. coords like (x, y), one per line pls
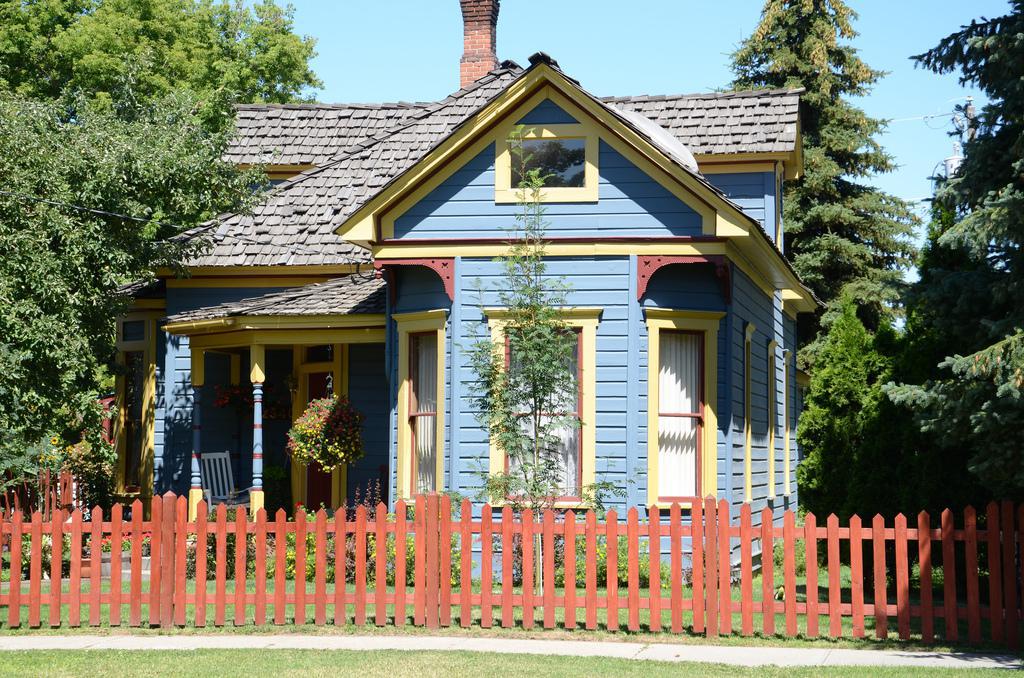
(388, 50)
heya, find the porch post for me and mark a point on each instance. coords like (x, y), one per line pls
(257, 375)
(195, 490)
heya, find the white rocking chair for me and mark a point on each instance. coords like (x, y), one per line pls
(219, 481)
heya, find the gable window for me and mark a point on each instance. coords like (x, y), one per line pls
(560, 162)
(682, 383)
(421, 369)
(565, 155)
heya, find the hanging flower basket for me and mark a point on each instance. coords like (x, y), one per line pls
(329, 433)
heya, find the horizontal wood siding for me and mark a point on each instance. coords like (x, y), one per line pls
(750, 304)
(630, 203)
(368, 393)
(547, 112)
(597, 282)
(754, 192)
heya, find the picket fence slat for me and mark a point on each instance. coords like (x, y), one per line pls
(767, 572)
(924, 551)
(746, 573)
(811, 569)
(676, 568)
(971, 570)
(949, 604)
(995, 577)
(543, 559)
(569, 563)
(1009, 550)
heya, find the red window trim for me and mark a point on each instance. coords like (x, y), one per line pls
(699, 416)
(578, 331)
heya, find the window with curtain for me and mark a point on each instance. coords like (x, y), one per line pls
(567, 450)
(680, 413)
(423, 410)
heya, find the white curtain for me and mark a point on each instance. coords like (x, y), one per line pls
(424, 386)
(678, 393)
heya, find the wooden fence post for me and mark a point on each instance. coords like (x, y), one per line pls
(711, 567)
(167, 561)
(1009, 574)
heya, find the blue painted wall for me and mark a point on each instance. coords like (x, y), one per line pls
(754, 192)
(368, 393)
(630, 203)
(547, 112)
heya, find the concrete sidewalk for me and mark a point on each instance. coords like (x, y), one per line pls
(717, 654)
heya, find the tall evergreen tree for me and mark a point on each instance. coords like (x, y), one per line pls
(842, 234)
(967, 305)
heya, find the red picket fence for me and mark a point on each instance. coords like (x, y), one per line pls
(960, 583)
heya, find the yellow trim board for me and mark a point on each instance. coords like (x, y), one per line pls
(407, 324)
(247, 281)
(586, 319)
(748, 435)
(707, 322)
(245, 338)
(773, 414)
(311, 270)
(271, 322)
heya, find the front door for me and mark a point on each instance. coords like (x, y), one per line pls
(318, 481)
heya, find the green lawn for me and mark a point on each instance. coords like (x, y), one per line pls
(390, 664)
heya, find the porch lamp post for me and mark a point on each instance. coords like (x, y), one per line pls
(257, 375)
(195, 489)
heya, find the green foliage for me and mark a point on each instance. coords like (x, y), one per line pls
(58, 295)
(966, 311)
(523, 406)
(220, 51)
(842, 234)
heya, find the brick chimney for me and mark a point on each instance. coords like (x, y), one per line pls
(479, 24)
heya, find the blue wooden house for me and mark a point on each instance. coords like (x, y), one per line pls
(369, 269)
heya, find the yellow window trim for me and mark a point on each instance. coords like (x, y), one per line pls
(786, 430)
(147, 345)
(505, 192)
(773, 416)
(408, 324)
(748, 433)
(706, 322)
(587, 320)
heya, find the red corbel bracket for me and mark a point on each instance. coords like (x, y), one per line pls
(443, 267)
(647, 266)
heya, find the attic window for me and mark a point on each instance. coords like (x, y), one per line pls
(565, 155)
(561, 162)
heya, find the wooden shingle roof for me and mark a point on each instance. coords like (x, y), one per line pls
(348, 295)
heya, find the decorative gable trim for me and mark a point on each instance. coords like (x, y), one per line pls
(443, 267)
(647, 266)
